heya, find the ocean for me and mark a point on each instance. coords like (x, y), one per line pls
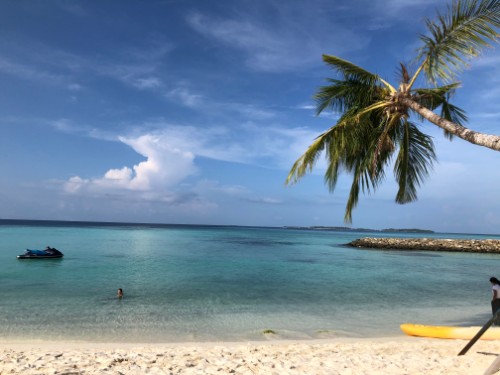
(186, 283)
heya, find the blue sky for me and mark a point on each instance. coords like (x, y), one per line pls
(194, 111)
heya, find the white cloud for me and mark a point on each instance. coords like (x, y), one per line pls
(74, 184)
(310, 107)
(165, 166)
(170, 157)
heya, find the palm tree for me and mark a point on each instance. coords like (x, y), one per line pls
(375, 117)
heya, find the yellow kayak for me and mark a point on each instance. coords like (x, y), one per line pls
(449, 332)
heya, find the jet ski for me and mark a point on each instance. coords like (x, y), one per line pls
(48, 253)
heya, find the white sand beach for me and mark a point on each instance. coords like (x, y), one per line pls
(399, 355)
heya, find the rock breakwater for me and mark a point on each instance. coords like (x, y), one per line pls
(431, 244)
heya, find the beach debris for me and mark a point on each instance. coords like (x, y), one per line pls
(268, 332)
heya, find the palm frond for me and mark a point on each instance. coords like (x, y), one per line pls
(358, 160)
(432, 98)
(373, 107)
(342, 95)
(415, 159)
(437, 92)
(350, 70)
(348, 147)
(454, 114)
(462, 33)
(440, 97)
(384, 142)
(305, 163)
(362, 181)
(355, 72)
(333, 141)
(404, 73)
(352, 201)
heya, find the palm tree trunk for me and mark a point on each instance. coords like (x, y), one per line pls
(487, 140)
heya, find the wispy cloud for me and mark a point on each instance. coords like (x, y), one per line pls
(265, 200)
(140, 75)
(147, 83)
(72, 7)
(70, 127)
(277, 47)
(185, 97)
(396, 8)
(265, 51)
(30, 72)
(65, 126)
(138, 67)
(75, 87)
(491, 59)
(205, 185)
(250, 111)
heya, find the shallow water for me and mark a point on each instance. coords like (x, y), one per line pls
(195, 283)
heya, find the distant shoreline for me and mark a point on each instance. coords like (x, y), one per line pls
(347, 229)
(318, 228)
(70, 223)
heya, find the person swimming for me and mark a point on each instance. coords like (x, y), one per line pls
(120, 293)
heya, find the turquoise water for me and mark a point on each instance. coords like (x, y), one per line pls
(195, 283)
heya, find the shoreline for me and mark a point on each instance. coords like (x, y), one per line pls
(388, 355)
(41, 343)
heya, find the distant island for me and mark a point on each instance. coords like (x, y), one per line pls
(347, 229)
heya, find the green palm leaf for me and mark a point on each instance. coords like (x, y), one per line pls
(346, 94)
(433, 97)
(453, 114)
(440, 97)
(350, 70)
(415, 159)
(467, 28)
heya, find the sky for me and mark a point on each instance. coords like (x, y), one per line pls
(194, 111)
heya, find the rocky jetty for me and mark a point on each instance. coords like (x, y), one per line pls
(432, 244)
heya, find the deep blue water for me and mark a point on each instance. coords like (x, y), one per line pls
(202, 283)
